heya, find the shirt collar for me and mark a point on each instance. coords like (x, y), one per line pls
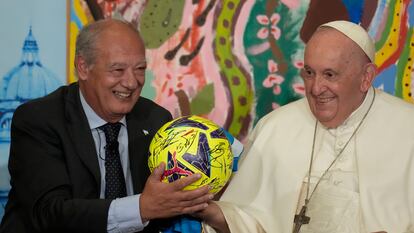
(357, 115)
(94, 120)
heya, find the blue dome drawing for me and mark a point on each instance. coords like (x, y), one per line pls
(28, 80)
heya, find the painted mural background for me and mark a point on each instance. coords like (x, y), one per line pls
(230, 61)
(32, 63)
(234, 61)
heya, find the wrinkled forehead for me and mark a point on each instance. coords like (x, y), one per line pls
(120, 38)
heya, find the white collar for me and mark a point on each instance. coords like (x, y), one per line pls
(94, 120)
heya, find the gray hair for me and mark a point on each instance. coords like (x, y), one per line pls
(88, 36)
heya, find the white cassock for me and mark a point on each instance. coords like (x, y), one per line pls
(370, 188)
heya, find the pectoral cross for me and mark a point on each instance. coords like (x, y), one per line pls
(301, 219)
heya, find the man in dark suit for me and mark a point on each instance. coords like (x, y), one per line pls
(60, 152)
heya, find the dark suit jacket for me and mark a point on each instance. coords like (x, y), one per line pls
(54, 169)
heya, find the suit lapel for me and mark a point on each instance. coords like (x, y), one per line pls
(80, 132)
(139, 137)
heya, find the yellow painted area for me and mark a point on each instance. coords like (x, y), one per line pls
(72, 41)
(407, 74)
(80, 12)
(384, 53)
(73, 33)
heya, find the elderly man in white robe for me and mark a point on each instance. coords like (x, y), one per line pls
(340, 160)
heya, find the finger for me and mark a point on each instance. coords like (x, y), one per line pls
(183, 182)
(199, 200)
(158, 172)
(195, 208)
(211, 209)
(189, 195)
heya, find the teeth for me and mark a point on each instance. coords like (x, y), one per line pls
(324, 100)
(123, 94)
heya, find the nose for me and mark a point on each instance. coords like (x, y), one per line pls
(132, 80)
(318, 85)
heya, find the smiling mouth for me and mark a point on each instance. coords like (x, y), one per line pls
(122, 95)
(324, 100)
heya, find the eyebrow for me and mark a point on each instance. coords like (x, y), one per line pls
(123, 65)
(141, 63)
(117, 65)
(330, 70)
(307, 67)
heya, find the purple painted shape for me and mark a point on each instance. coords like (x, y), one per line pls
(175, 169)
(202, 159)
(181, 171)
(170, 161)
(218, 133)
(186, 122)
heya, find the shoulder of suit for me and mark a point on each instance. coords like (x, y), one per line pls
(46, 102)
(147, 106)
(145, 102)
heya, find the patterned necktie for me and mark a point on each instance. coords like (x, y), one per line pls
(114, 176)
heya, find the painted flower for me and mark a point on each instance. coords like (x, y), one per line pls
(273, 80)
(298, 64)
(109, 6)
(299, 88)
(275, 105)
(269, 25)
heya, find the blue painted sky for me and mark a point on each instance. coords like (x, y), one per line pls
(48, 21)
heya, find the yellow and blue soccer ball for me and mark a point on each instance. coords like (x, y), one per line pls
(189, 145)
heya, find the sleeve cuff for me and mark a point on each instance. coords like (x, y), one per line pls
(124, 215)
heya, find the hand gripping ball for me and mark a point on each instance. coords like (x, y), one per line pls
(190, 145)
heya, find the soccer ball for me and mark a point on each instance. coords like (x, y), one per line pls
(189, 145)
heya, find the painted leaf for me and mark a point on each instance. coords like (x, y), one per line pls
(203, 102)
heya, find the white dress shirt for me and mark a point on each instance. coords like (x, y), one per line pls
(124, 213)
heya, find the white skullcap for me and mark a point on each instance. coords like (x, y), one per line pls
(357, 34)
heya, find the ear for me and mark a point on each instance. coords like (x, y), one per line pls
(368, 76)
(82, 68)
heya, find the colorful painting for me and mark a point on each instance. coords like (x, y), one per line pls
(234, 61)
(79, 15)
